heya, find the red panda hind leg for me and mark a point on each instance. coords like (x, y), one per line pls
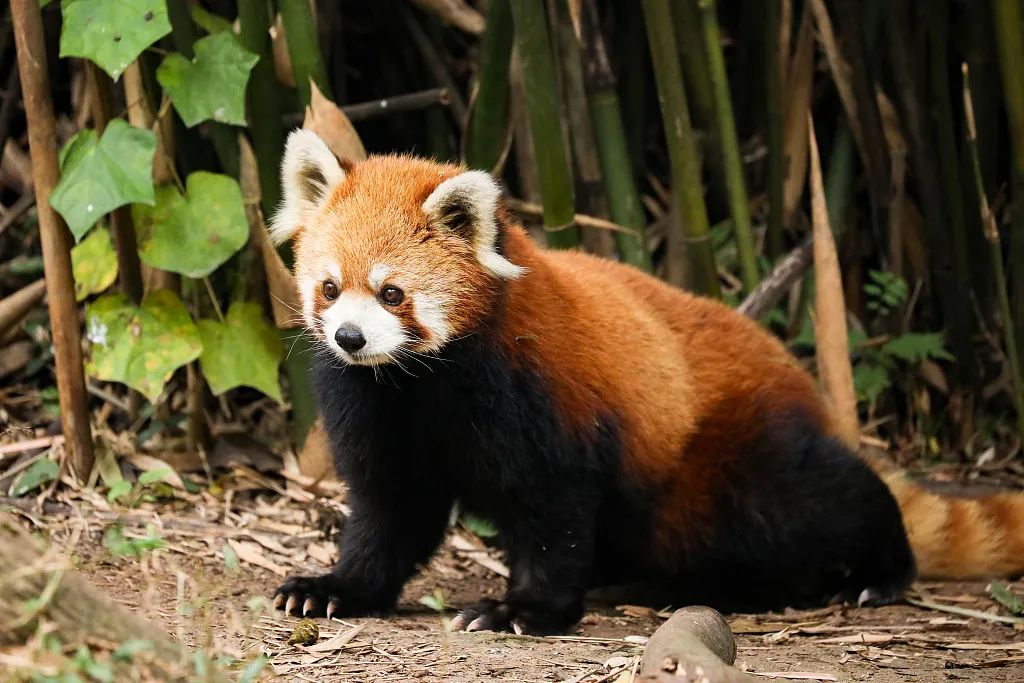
(794, 519)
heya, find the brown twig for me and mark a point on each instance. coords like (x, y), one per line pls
(536, 210)
(14, 307)
(361, 111)
(773, 287)
(455, 12)
(122, 228)
(17, 210)
(54, 236)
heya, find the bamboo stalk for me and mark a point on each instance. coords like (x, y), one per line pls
(949, 175)
(590, 194)
(732, 163)
(988, 223)
(54, 236)
(263, 99)
(773, 130)
(687, 187)
(121, 226)
(436, 65)
(606, 117)
(541, 90)
(304, 48)
(486, 129)
(1007, 15)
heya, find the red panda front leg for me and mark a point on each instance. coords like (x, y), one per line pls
(551, 555)
(390, 532)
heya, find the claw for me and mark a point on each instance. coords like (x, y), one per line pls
(278, 601)
(517, 626)
(290, 605)
(476, 625)
(332, 607)
(867, 595)
(459, 622)
(308, 606)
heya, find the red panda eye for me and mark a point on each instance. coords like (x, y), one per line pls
(330, 290)
(391, 295)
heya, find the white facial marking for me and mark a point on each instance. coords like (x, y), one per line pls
(378, 274)
(307, 292)
(430, 312)
(334, 270)
(383, 331)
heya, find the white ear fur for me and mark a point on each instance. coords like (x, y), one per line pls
(475, 194)
(309, 171)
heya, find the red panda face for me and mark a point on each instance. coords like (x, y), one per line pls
(395, 256)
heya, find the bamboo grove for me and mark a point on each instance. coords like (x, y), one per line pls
(680, 136)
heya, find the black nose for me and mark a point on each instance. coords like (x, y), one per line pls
(350, 338)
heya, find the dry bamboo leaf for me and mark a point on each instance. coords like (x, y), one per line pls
(250, 553)
(282, 58)
(833, 350)
(148, 463)
(337, 642)
(799, 83)
(456, 13)
(315, 459)
(284, 297)
(326, 119)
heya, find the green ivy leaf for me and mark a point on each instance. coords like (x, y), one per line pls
(140, 347)
(112, 33)
(870, 380)
(212, 84)
(93, 263)
(915, 347)
(99, 174)
(242, 351)
(39, 473)
(194, 234)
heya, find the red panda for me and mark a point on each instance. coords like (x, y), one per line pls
(615, 428)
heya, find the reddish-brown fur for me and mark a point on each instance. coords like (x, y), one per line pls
(693, 382)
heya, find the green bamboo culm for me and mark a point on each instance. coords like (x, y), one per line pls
(686, 177)
(773, 130)
(263, 100)
(304, 48)
(732, 162)
(488, 119)
(988, 223)
(624, 205)
(1007, 16)
(537, 60)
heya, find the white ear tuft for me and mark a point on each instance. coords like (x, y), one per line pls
(309, 171)
(468, 206)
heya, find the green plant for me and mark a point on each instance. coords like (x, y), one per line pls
(119, 545)
(194, 226)
(886, 292)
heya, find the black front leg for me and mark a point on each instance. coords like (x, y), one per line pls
(551, 555)
(388, 534)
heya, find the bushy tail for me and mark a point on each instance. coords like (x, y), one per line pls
(957, 537)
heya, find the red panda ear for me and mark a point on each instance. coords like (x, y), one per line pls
(467, 205)
(309, 171)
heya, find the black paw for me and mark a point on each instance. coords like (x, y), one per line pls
(309, 596)
(491, 615)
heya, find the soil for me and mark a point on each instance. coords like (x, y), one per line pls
(202, 594)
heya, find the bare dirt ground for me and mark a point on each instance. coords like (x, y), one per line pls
(210, 596)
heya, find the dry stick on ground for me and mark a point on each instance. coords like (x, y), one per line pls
(78, 612)
(830, 309)
(695, 644)
(54, 236)
(14, 307)
(18, 208)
